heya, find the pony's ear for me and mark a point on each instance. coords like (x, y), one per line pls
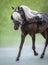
(18, 8)
(12, 8)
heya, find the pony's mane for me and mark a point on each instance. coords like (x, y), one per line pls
(30, 13)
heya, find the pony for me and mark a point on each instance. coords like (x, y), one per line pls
(37, 23)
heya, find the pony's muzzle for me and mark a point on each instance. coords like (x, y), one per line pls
(15, 28)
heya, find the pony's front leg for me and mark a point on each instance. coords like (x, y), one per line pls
(21, 45)
(33, 46)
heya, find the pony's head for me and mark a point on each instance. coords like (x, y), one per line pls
(17, 16)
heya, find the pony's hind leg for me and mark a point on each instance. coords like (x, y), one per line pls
(45, 34)
(42, 55)
(33, 45)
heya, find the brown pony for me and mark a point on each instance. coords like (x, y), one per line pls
(31, 27)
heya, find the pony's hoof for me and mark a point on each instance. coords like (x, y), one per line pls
(42, 57)
(36, 54)
(17, 59)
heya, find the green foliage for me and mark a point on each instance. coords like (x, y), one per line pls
(7, 33)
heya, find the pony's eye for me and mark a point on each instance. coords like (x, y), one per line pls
(19, 23)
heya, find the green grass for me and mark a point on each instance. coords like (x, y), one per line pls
(7, 34)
